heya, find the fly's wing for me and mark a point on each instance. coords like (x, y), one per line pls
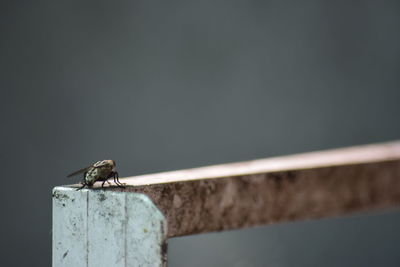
(78, 172)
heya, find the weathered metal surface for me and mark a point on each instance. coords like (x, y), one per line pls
(105, 228)
(69, 227)
(249, 200)
(107, 220)
(295, 187)
(311, 160)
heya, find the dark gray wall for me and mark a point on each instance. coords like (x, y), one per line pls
(163, 85)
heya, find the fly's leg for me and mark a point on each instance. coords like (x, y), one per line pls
(104, 181)
(112, 175)
(115, 176)
(116, 180)
(83, 185)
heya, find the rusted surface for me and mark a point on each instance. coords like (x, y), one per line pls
(249, 200)
(298, 187)
(311, 160)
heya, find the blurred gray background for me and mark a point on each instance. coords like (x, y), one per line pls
(164, 85)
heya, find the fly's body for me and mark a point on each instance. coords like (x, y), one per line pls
(99, 171)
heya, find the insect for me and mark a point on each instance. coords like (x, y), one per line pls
(99, 171)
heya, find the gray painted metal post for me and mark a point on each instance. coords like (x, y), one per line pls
(95, 228)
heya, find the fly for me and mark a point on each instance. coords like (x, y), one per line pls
(99, 171)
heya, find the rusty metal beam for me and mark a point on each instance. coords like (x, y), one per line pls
(298, 187)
